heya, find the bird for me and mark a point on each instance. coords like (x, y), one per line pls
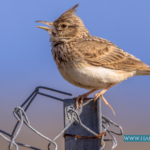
(87, 61)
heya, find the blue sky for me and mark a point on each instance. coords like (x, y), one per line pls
(26, 60)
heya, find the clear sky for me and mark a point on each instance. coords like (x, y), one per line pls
(26, 62)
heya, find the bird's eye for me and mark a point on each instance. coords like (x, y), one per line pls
(53, 33)
(63, 26)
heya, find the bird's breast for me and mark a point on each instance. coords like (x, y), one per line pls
(65, 55)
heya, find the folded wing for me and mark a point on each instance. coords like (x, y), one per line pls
(100, 52)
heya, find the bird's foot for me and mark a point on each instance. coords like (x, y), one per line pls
(80, 99)
(100, 94)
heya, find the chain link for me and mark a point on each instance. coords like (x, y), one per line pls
(73, 115)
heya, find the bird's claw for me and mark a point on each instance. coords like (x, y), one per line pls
(80, 99)
(96, 96)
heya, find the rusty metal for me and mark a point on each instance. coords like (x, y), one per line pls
(86, 137)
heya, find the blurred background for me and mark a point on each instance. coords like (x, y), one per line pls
(26, 62)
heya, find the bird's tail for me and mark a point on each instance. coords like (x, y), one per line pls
(144, 72)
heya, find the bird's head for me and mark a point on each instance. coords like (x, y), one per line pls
(67, 27)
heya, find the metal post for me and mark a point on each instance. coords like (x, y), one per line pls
(91, 119)
(99, 119)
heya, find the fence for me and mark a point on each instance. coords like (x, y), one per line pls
(88, 136)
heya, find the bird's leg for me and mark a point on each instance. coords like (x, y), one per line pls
(81, 97)
(100, 94)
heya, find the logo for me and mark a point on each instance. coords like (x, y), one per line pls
(136, 138)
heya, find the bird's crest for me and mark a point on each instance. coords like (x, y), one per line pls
(69, 13)
(70, 16)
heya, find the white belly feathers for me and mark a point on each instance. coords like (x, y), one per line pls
(94, 77)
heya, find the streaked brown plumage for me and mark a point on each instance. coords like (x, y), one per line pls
(88, 61)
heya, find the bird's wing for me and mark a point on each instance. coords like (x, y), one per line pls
(100, 52)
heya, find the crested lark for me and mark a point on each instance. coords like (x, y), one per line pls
(87, 61)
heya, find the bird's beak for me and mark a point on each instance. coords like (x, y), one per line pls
(47, 23)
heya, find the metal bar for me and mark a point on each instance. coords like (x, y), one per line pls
(14, 129)
(14, 137)
(31, 100)
(28, 146)
(46, 88)
(99, 121)
(5, 133)
(50, 96)
(9, 140)
(28, 98)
